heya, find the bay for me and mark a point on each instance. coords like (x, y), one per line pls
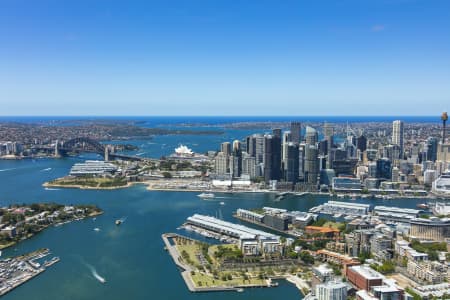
(131, 256)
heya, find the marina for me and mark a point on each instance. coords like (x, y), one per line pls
(18, 270)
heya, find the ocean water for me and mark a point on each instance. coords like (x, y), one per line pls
(130, 257)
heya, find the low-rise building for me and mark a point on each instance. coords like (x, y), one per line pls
(325, 231)
(363, 277)
(434, 290)
(93, 167)
(429, 271)
(433, 229)
(11, 231)
(340, 259)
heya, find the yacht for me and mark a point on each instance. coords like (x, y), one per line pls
(423, 205)
(206, 195)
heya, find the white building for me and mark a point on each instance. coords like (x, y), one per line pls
(397, 134)
(331, 290)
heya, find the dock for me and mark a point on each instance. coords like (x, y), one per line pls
(186, 270)
(18, 270)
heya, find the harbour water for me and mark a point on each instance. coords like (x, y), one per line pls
(129, 257)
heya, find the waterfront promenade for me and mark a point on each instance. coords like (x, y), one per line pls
(186, 269)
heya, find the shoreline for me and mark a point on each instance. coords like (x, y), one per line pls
(187, 269)
(151, 186)
(85, 187)
(30, 235)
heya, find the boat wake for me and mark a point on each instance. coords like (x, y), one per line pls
(5, 170)
(95, 274)
(139, 154)
(51, 189)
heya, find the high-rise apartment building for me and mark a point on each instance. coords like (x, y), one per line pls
(222, 164)
(397, 135)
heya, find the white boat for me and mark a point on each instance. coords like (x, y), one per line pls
(206, 195)
(222, 203)
(96, 229)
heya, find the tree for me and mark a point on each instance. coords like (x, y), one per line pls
(167, 175)
(306, 257)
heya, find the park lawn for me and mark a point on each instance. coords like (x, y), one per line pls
(209, 281)
(214, 248)
(331, 224)
(91, 181)
(192, 250)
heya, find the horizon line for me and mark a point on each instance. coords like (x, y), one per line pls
(163, 115)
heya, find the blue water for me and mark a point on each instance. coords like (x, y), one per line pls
(212, 120)
(131, 256)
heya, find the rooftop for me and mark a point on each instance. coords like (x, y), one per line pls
(243, 232)
(367, 272)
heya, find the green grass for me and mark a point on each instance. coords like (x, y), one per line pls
(192, 250)
(91, 181)
(209, 281)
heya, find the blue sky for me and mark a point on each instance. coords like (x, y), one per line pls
(216, 57)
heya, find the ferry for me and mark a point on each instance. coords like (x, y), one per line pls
(423, 205)
(206, 195)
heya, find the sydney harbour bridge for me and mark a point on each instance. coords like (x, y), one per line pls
(85, 144)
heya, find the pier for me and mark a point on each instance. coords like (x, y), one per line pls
(18, 270)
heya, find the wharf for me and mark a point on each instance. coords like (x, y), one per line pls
(289, 233)
(186, 271)
(18, 270)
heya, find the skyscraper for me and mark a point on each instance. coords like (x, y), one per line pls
(296, 132)
(361, 143)
(272, 157)
(432, 148)
(267, 157)
(311, 136)
(255, 147)
(311, 164)
(235, 165)
(249, 166)
(226, 148)
(284, 143)
(291, 166)
(276, 154)
(236, 146)
(397, 135)
(276, 132)
(328, 132)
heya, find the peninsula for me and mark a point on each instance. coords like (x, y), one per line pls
(20, 222)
